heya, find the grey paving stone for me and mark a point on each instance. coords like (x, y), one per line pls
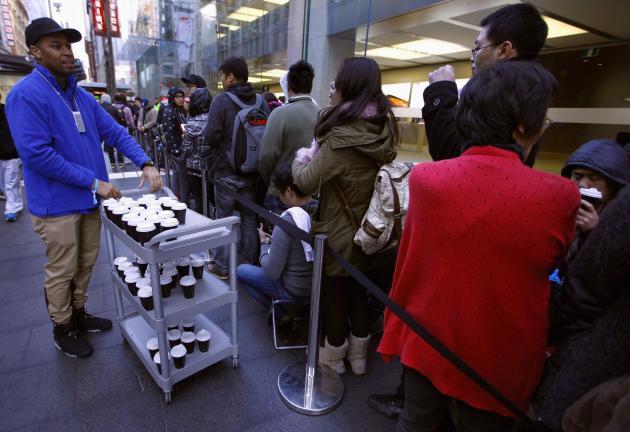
(12, 348)
(22, 287)
(34, 394)
(23, 313)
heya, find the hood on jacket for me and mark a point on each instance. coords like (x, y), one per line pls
(199, 102)
(368, 138)
(171, 94)
(245, 91)
(603, 156)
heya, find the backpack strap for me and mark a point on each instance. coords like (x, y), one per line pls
(397, 212)
(239, 102)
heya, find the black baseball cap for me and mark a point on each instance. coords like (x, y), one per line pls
(194, 79)
(44, 26)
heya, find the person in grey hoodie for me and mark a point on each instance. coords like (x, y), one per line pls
(286, 263)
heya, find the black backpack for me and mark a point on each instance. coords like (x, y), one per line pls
(249, 126)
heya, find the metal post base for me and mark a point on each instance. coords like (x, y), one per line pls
(327, 390)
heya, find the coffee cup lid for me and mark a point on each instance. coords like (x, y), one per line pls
(188, 337)
(179, 206)
(156, 358)
(154, 219)
(120, 210)
(147, 213)
(123, 265)
(131, 270)
(109, 202)
(153, 344)
(197, 262)
(174, 334)
(170, 223)
(170, 202)
(188, 281)
(144, 200)
(178, 351)
(592, 192)
(145, 291)
(139, 260)
(188, 322)
(128, 216)
(143, 282)
(181, 261)
(150, 196)
(165, 214)
(170, 271)
(145, 227)
(154, 207)
(203, 335)
(120, 259)
(170, 263)
(125, 200)
(137, 209)
(164, 199)
(165, 279)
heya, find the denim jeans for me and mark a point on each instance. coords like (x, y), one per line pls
(254, 280)
(228, 206)
(181, 188)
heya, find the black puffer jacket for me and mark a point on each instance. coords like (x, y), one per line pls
(7, 147)
(171, 118)
(195, 144)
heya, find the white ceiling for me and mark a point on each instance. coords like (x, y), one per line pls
(457, 21)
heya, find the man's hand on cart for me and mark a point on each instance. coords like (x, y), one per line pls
(106, 190)
(152, 175)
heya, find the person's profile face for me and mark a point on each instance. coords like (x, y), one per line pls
(190, 88)
(587, 178)
(54, 52)
(484, 55)
(334, 96)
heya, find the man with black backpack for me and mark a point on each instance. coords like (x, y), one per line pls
(106, 103)
(236, 153)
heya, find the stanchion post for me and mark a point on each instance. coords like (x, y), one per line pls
(167, 164)
(204, 197)
(156, 155)
(312, 390)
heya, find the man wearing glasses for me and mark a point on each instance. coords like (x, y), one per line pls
(516, 31)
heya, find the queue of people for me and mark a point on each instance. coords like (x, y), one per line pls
(483, 232)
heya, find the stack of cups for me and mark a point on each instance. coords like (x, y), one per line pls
(183, 266)
(188, 286)
(142, 282)
(119, 260)
(132, 226)
(174, 337)
(122, 267)
(165, 214)
(153, 347)
(188, 340)
(117, 214)
(156, 359)
(197, 268)
(188, 325)
(166, 284)
(169, 224)
(142, 266)
(145, 231)
(132, 283)
(108, 204)
(203, 340)
(146, 297)
(154, 206)
(179, 209)
(172, 272)
(178, 352)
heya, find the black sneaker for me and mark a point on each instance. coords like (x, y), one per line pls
(71, 344)
(89, 323)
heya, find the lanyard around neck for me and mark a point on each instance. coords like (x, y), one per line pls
(59, 94)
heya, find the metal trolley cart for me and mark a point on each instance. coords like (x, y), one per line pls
(197, 235)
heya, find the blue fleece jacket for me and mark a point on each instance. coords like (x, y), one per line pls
(59, 162)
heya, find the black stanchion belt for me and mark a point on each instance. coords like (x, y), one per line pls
(380, 295)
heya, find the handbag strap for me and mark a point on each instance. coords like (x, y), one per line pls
(397, 210)
(346, 207)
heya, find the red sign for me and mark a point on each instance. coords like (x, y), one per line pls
(98, 18)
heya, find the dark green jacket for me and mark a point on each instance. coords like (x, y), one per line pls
(349, 158)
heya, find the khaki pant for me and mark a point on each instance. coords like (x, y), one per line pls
(72, 245)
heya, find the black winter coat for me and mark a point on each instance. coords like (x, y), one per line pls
(593, 313)
(438, 113)
(171, 119)
(7, 147)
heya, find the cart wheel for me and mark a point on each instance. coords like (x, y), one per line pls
(168, 397)
(234, 361)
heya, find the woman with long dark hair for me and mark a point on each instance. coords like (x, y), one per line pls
(356, 136)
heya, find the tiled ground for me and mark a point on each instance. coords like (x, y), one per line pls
(43, 390)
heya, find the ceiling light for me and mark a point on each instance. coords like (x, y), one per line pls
(560, 29)
(394, 53)
(277, 2)
(247, 14)
(230, 27)
(276, 73)
(432, 46)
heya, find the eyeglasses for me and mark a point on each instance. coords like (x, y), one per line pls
(476, 50)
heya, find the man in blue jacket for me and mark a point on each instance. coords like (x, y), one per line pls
(57, 128)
